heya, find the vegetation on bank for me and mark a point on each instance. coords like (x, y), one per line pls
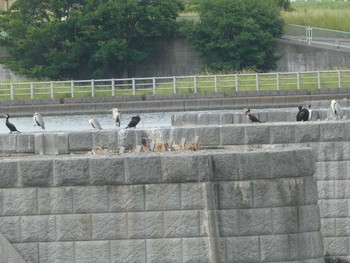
(58, 39)
(325, 14)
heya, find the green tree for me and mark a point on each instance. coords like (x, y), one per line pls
(237, 34)
(60, 39)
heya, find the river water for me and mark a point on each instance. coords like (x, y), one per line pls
(81, 122)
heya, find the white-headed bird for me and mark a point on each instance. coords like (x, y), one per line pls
(338, 112)
(39, 120)
(116, 116)
(95, 123)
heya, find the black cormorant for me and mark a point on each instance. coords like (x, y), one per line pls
(251, 116)
(303, 114)
(9, 125)
(134, 121)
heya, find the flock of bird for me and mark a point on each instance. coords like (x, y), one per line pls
(303, 114)
(39, 121)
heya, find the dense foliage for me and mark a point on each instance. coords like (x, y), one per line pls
(60, 39)
(237, 34)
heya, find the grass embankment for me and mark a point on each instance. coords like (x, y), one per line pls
(199, 84)
(325, 14)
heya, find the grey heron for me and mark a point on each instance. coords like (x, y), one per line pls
(251, 117)
(39, 120)
(336, 109)
(9, 125)
(95, 123)
(134, 121)
(303, 114)
(116, 116)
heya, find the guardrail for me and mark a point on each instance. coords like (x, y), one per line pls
(176, 84)
(318, 36)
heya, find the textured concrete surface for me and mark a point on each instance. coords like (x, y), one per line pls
(172, 102)
(205, 206)
(210, 135)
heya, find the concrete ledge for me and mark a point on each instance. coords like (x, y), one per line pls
(212, 134)
(173, 167)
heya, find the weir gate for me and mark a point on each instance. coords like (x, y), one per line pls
(269, 192)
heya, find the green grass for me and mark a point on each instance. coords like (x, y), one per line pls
(325, 14)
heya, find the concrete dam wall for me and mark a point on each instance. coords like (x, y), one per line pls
(205, 206)
(254, 193)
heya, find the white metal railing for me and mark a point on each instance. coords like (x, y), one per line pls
(319, 36)
(176, 84)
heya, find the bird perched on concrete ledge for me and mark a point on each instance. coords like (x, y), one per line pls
(95, 123)
(251, 116)
(303, 114)
(116, 116)
(9, 125)
(134, 121)
(38, 120)
(338, 112)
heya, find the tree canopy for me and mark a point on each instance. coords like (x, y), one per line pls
(59, 39)
(237, 34)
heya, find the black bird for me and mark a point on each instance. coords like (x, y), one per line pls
(303, 114)
(134, 121)
(9, 125)
(251, 117)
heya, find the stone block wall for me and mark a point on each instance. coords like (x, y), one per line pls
(330, 141)
(204, 206)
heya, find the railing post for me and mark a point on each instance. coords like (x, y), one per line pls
(195, 84)
(133, 86)
(12, 92)
(216, 83)
(309, 35)
(318, 79)
(154, 85)
(298, 80)
(236, 81)
(113, 87)
(51, 90)
(92, 88)
(174, 84)
(72, 88)
(339, 79)
(278, 80)
(31, 90)
(257, 81)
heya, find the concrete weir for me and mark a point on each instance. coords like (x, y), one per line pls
(276, 191)
(218, 205)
